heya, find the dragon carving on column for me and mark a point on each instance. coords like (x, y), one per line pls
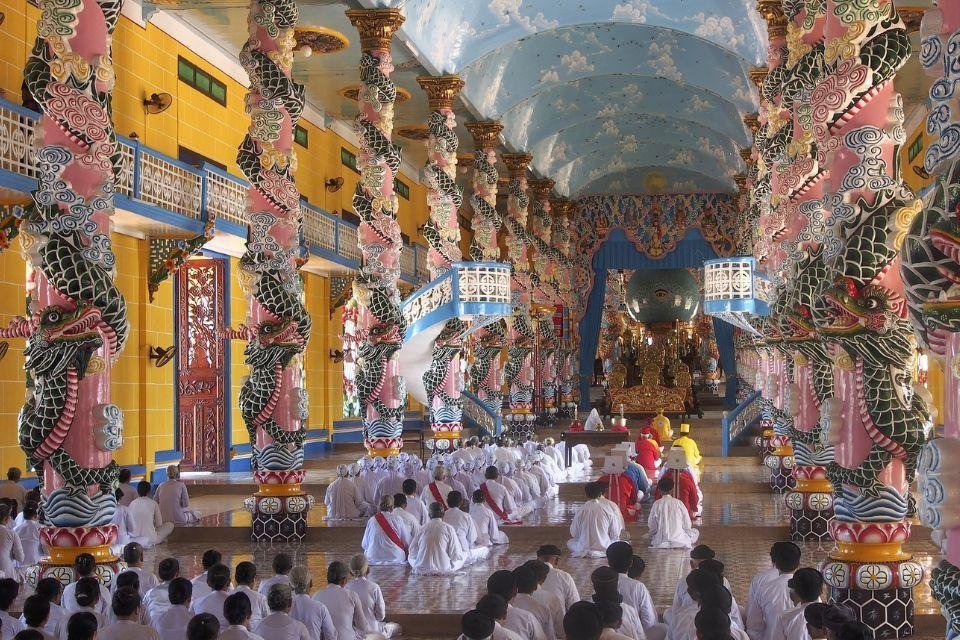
(519, 369)
(486, 371)
(273, 401)
(930, 269)
(68, 428)
(547, 291)
(443, 379)
(567, 354)
(877, 420)
(380, 388)
(774, 406)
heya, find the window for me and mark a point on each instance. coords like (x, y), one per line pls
(202, 81)
(402, 188)
(915, 148)
(348, 159)
(195, 159)
(301, 137)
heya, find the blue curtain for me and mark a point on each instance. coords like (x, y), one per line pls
(617, 252)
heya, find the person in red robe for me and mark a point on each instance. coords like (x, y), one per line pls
(648, 454)
(620, 489)
(684, 486)
(646, 427)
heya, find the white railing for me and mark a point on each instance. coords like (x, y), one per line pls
(170, 185)
(16, 140)
(226, 197)
(319, 230)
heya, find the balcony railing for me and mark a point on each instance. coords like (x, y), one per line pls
(736, 422)
(165, 189)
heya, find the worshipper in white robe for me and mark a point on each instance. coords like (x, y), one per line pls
(550, 600)
(620, 557)
(464, 476)
(172, 622)
(28, 530)
(415, 505)
(11, 551)
(312, 613)
(669, 521)
(595, 526)
(386, 538)
(344, 606)
(124, 523)
(9, 590)
(126, 615)
(477, 625)
(282, 564)
(84, 566)
(680, 622)
(149, 528)
(128, 492)
(236, 609)
(504, 584)
(496, 608)
(156, 601)
(133, 556)
(366, 476)
(280, 625)
(526, 586)
(558, 581)
(606, 593)
(436, 548)
(769, 595)
(488, 524)
(174, 500)
(524, 506)
(244, 576)
(499, 499)
(392, 478)
(465, 527)
(209, 558)
(806, 587)
(371, 599)
(51, 590)
(218, 579)
(437, 489)
(400, 510)
(343, 499)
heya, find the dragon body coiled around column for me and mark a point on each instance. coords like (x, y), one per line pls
(519, 369)
(78, 316)
(272, 402)
(930, 268)
(381, 391)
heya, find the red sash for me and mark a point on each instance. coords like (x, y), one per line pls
(495, 507)
(390, 531)
(436, 495)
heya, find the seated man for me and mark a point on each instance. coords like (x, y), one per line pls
(648, 454)
(466, 529)
(688, 444)
(684, 485)
(386, 538)
(343, 499)
(498, 498)
(488, 528)
(595, 527)
(436, 549)
(437, 489)
(669, 521)
(148, 529)
(174, 500)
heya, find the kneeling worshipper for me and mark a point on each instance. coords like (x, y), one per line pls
(706, 591)
(636, 473)
(488, 523)
(174, 500)
(437, 490)
(806, 587)
(685, 488)
(620, 489)
(669, 521)
(343, 498)
(436, 550)
(386, 539)
(466, 529)
(498, 498)
(648, 454)
(595, 526)
(769, 593)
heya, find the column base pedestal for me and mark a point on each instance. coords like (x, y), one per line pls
(811, 509)
(106, 572)
(278, 514)
(519, 425)
(781, 472)
(889, 612)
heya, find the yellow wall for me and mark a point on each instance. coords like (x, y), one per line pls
(145, 60)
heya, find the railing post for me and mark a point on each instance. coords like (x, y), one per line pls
(136, 169)
(204, 184)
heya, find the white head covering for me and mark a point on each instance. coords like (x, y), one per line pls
(677, 458)
(342, 471)
(614, 464)
(354, 469)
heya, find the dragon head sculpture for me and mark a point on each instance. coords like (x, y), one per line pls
(275, 343)
(63, 339)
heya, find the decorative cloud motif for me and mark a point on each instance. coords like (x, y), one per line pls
(576, 62)
(718, 29)
(549, 75)
(698, 104)
(662, 61)
(507, 11)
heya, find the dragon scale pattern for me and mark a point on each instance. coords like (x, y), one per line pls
(522, 337)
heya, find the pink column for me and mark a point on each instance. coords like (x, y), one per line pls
(547, 295)
(444, 378)
(519, 369)
(380, 388)
(486, 372)
(562, 209)
(876, 422)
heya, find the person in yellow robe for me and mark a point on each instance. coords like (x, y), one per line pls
(688, 445)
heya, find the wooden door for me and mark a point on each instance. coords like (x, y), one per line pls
(201, 365)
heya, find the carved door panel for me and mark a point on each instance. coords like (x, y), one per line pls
(201, 366)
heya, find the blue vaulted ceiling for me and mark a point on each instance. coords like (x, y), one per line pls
(604, 93)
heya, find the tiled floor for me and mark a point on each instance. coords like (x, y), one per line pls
(741, 520)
